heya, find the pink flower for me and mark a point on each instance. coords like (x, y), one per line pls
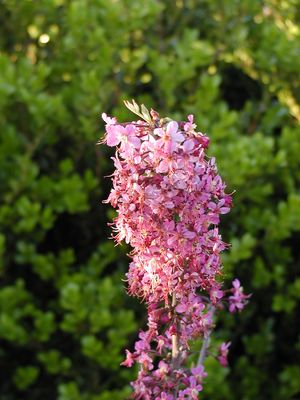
(192, 390)
(216, 295)
(163, 369)
(170, 137)
(198, 372)
(129, 359)
(222, 358)
(119, 134)
(164, 396)
(108, 120)
(145, 360)
(190, 126)
(238, 299)
(188, 145)
(161, 344)
(181, 308)
(169, 199)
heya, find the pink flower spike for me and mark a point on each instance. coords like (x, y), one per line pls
(169, 199)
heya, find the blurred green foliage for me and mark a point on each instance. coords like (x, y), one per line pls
(64, 316)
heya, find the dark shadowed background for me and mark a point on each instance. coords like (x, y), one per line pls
(65, 318)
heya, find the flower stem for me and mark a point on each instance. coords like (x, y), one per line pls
(206, 342)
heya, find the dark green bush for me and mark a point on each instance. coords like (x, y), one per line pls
(64, 316)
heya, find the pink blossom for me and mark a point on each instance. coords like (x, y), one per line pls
(170, 137)
(145, 361)
(129, 359)
(119, 134)
(198, 372)
(163, 369)
(108, 120)
(216, 295)
(222, 358)
(193, 389)
(189, 126)
(169, 198)
(164, 396)
(238, 299)
(188, 145)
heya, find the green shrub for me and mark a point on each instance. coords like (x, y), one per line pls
(64, 316)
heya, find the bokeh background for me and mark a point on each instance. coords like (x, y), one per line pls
(65, 318)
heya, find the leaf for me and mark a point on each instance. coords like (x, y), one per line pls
(135, 108)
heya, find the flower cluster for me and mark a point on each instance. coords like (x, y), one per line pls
(169, 197)
(222, 358)
(238, 299)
